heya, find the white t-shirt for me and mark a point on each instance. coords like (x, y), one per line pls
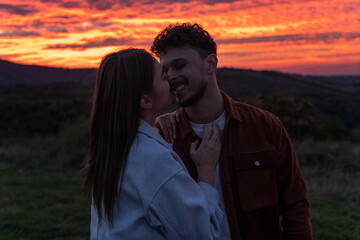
(198, 129)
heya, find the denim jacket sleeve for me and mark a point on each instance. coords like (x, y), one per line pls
(184, 209)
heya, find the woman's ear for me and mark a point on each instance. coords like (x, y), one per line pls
(211, 63)
(146, 102)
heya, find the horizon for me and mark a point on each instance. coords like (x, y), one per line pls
(308, 38)
(223, 67)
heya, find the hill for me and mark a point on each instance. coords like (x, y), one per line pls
(332, 95)
(17, 73)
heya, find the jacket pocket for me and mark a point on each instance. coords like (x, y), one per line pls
(256, 179)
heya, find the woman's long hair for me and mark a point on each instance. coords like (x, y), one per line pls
(122, 79)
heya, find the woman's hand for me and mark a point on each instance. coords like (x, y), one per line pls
(167, 124)
(207, 154)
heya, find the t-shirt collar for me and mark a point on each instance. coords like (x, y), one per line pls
(230, 111)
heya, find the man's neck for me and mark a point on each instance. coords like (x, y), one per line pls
(208, 109)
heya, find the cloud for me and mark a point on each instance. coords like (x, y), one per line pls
(251, 53)
(53, 1)
(89, 25)
(5, 44)
(245, 4)
(58, 25)
(110, 4)
(149, 2)
(274, 58)
(71, 4)
(352, 36)
(6, 56)
(56, 29)
(18, 33)
(340, 55)
(104, 24)
(239, 54)
(107, 4)
(322, 37)
(18, 10)
(110, 41)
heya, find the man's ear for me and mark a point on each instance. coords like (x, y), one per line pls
(211, 61)
(146, 102)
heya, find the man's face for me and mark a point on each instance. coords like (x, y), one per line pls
(186, 73)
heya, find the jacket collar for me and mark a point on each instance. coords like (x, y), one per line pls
(149, 131)
(230, 112)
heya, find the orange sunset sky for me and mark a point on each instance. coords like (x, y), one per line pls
(306, 37)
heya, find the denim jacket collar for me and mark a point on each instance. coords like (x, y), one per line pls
(146, 129)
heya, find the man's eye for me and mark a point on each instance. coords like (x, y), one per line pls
(180, 65)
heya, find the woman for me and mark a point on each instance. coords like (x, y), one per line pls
(139, 187)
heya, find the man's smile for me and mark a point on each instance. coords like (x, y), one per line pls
(177, 86)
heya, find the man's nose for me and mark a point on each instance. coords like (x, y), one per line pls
(172, 75)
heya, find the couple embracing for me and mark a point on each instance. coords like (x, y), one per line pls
(216, 169)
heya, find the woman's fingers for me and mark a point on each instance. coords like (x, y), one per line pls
(216, 136)
(193, 147)
(167, 124)
(207, 133)
(177, 115)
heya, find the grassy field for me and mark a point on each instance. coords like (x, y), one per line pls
(44, 203)
(43, 122)
(334, 219)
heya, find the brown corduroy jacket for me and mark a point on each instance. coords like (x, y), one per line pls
(260, 176)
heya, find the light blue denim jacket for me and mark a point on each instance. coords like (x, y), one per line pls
(159, 199)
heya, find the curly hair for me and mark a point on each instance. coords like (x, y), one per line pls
(179, 35)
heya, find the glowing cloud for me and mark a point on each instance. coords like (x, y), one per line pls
(311, 36)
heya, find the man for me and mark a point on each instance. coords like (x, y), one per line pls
(258, 176)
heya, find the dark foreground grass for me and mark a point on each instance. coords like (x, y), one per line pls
(335, 219)
(43, 203)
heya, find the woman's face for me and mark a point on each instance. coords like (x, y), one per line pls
(161, 89)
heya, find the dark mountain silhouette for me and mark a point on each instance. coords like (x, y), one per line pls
(18, 73)
(331, 95)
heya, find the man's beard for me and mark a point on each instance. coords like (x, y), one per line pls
(195, 97)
